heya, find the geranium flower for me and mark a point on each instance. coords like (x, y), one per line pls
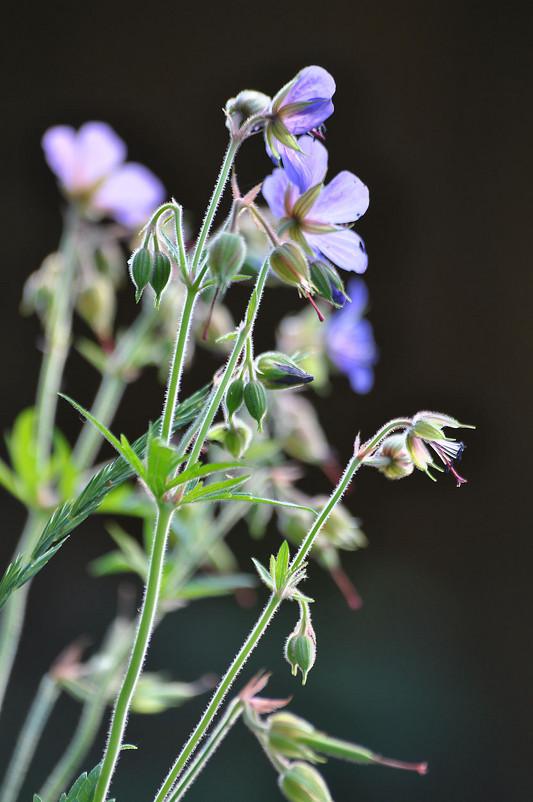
(301, 106)
(427, 429)
(90, 166)
(315, 216)
(350, 340)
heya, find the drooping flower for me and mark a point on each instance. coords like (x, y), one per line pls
(91, 168)
(299, 107)
(350, 340)
(316, 216)
(427, 431)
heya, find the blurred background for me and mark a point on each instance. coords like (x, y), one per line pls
(433, 113)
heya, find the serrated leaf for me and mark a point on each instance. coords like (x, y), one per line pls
(282, 564)
(161, 461)
(199, 470)
(214, 491)
(124, 449)
(263, 573)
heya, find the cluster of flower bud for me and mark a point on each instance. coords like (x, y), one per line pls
(149, 266)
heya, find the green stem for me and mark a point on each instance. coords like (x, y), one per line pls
(176, 370)
(223, 687)
(88, 725)
(110, 391)
(140, 647)
(220, 388)
(213, 203)
(56, 343)
(230, 717)
(28, 739)
(270, 609)
(353, 466)
(12, 617)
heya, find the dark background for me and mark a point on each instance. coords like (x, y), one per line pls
(433, 112)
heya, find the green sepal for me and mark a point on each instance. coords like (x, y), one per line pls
(160, 275)
(305, 203)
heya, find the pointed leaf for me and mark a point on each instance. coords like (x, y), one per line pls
(263, 573)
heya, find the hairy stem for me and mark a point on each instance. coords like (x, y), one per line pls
(178, 359)
(140, 647)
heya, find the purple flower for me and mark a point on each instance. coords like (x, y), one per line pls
(314, 215)
(350, 340)
(89, 164)
(302, 105)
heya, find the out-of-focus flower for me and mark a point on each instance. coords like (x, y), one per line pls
(91, 168)
(299, 107)
(350, 339)
(315, 216)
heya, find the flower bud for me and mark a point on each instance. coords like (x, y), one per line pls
(234, 396)
(160, 275)
(256, 402)
(226, 257)
(96, 303)
(392, 459)
(303, 783)
(278, 372)
(328, 283)
(286, 736)
(141, 267)
(235, 436)
(300, 647)
(246, 103)
(289, 263)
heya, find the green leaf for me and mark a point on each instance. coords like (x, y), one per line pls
(37, 798)
(10, 481)
(213, 492)
(274, 502)
(71, 513)
(199, 470)
(263, 573)
(209, 586)
(122, 446)
(282, 564)
(161, 461)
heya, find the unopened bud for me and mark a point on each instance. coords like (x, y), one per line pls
(287, 734)
(278, 372)
(234, 396)
(300, 647)
(328, 283)
(234, 436)
(246, 103)
(256, 402)
(141, 268)
(161, 274)
(393, 459)
(226, 256)
(289, 263)
(303, 783)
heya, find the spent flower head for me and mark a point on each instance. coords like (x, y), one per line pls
(427, 432)
(92, 172)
